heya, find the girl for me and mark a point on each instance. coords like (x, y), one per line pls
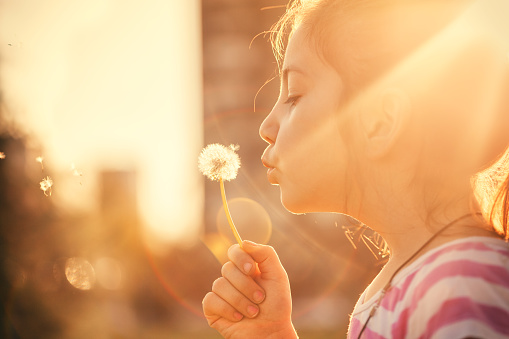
(394, 112)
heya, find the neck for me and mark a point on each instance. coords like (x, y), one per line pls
(406, 229)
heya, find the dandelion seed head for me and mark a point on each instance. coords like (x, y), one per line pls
(2, 155)
(219, 162)
(46, 184)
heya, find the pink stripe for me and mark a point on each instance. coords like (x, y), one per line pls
(397, 293)
(489, 273)
(464, 268)
(400, 327)
(355, 328)
(460, 309)
(368, 334)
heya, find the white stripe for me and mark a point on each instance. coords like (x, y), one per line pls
(475, 256)
(449, 288)
(476, 289)
(446, 288)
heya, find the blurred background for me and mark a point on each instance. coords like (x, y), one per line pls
(107, 229)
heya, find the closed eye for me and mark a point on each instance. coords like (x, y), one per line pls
(292, 100)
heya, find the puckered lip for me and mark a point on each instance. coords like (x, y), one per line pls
(265, 159)
(267, 162)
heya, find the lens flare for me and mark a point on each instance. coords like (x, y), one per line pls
(217, 245)
(169, 288)
(251, 220)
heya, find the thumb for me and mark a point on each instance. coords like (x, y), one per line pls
(267, 259)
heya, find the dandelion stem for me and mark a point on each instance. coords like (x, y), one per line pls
(228, 215)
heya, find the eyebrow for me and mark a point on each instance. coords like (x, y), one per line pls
(287, 70)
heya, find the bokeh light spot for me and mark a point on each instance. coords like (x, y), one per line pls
(80, 273)
(218, 245)
(251, 219)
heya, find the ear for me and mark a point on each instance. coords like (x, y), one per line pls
(384, 121)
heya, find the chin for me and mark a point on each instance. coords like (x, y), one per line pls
(293, 205)
(301, 206)
(294, 210)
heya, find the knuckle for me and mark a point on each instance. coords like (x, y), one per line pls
(207, 298)
(216, 285)
(270, 249)
(232, 248)
(227, 268)
(237, 302)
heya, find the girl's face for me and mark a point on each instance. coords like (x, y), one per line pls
(306, 156)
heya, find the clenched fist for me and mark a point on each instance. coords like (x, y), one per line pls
(252, 298)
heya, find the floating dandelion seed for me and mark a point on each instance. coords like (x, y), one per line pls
(39, 160)
(76, 173)
(2, 155)
(220, 163)
(46, 184)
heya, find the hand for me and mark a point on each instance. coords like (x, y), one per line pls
(252, 298)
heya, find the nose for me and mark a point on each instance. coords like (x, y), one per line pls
(270, 127)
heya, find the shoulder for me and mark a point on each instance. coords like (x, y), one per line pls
(483, 261)
(463, 287)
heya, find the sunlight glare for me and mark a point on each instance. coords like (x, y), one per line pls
(112, 85)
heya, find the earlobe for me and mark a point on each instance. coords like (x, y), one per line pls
(384, 122)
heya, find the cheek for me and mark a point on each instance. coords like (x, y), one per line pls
(319, 186)
(314, 171)
(307, 145)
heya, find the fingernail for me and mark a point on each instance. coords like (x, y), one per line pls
(238, 316)
(252, 310)
(258, 296)
(247, 267)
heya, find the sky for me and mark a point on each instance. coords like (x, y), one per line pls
(111, 85)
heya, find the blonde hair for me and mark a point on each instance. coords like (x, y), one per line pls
(491, 188)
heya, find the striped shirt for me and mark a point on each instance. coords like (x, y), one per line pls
(457, 290)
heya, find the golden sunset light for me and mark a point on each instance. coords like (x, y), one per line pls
(110, 85)
(207, 169)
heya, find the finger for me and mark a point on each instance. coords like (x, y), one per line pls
(215, 308)
(241, 259)
(224, 289)
(243, 283)
(267, 259)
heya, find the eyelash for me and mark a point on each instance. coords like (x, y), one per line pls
(292, 100)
